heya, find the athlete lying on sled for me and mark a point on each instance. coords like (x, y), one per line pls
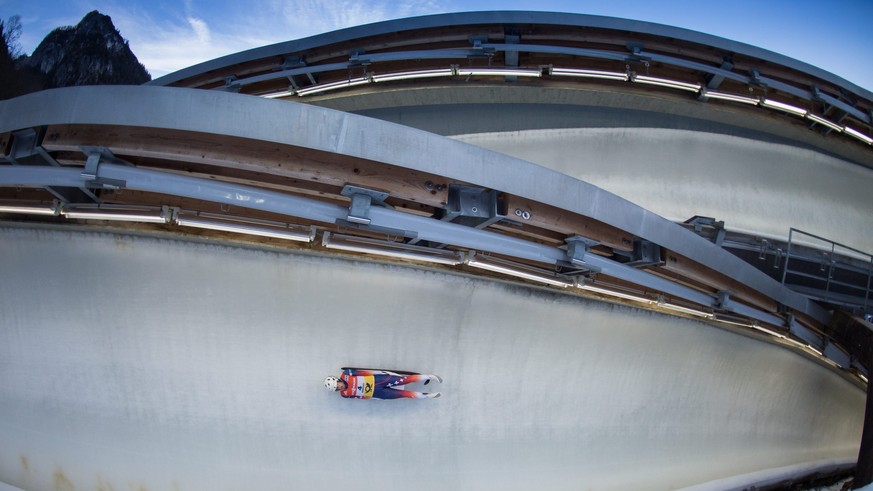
(367, 383)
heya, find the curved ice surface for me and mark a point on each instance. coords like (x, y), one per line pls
(147, 361)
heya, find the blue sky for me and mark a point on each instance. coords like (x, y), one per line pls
(167, 35)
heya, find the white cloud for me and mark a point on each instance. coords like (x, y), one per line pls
(200, 29)
(309, 17)
(196, 31)
(174, 42)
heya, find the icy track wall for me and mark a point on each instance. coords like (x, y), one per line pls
(140, 362)
(753, 186)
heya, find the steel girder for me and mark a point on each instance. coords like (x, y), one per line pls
(508, 18)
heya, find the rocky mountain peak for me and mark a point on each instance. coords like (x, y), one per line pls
(90, 53)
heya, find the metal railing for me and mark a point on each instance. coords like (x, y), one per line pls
(827, 270)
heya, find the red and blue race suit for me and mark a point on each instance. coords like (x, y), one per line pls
(380, 384)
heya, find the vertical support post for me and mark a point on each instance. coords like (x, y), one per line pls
(787, 256)
(830, 271)
(867, 293)
(864, 469)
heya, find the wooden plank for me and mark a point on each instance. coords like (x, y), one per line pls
(251, 155)
(25, 194)
(307, 171)
(687, 268)
(682, 280)
(529, 233)
(565, 222)
(226, 174)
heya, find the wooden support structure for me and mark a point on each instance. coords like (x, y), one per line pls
(565, 222)
(179, 148)
(306, 171)
(321, 174)
(686, 268)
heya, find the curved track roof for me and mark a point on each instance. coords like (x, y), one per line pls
(510, 20)
(540, 49)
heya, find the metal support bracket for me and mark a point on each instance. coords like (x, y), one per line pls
(636, 53)
(645, 253)
(755, 77)
(290, 62)
(714, 80)
(362, 199)
(106, 155)
(577, 248)
(356, 58)
(477, 42)
(699, 222)
(723, 301)
(23, 144)
(231, 84)
(91, 173)
(26, 150)
(471, 206)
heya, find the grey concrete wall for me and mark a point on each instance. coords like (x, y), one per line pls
(130, 362)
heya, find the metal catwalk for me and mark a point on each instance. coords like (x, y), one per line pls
(156, 363)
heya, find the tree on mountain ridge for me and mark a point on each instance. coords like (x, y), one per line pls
(15, 80)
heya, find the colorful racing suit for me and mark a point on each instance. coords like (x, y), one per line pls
(381, 384)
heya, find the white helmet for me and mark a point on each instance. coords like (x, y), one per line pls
(330, 383)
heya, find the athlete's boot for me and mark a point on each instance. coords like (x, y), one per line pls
(431, 377)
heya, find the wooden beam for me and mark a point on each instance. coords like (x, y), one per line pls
(25, 194)
(565, 222)
(683, 280)
(687, 268)
(261, 157)
(287, 167)
(542, 236)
